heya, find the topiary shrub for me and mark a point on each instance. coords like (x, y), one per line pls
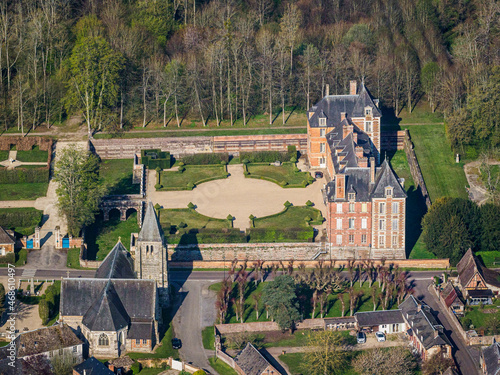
(136, 368)
(190, 186)
(191, 205)
(287, 204)
(181, 164)
(308, 219)
(182, 225)
(158, 169)
(309, 204)
(158, 186)
(293, 159)
(181, 169)
(283, 183)
(245, 161)
(157, 206)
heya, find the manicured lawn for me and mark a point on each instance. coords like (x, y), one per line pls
(293, 217)
(442, 176)
(73, 259)
(208, 337)
(421, 114)
(103, 235)
(416, 208)
(165, 350)
(29, 217)
(482, 319)
(117, 174)
(175, 180)
(35, 155)
(4, 155)
(280, 175)
(221, 367)
(193, 219)
(151, 371)
(490, 258)
(26, 191)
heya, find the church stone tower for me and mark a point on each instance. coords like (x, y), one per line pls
(151, 257)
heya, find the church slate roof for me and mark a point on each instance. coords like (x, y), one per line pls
(137, 296)
(140, 330)
(116, 265)
(491, 358)
(151, 229)
(107, 313)
(386, 177)
(6, 238)
(251, 361)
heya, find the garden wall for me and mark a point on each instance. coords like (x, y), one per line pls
(266, 326)
(275, 142)
(393, 140)
(416, 173)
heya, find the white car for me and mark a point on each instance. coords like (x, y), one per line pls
(380, 336)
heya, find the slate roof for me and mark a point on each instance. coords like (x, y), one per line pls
(92, 366)
(386, 177)
(469, 265)
(450, 371)
(251, 361)
(137, 297)
(6, 238)
(376, 318)
(151, 229)
(22, 367)
(332, 106)
(117, 264)
(140, 330)
(491, 358)
(423, 324)
(43, 340)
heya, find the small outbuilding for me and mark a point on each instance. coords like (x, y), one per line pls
(387, 321)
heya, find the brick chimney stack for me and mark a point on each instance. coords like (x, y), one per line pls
(327, 89)
(340, 186)
(372, 170)
(347, 129)
(353, 88)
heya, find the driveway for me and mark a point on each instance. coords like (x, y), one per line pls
(237, 196)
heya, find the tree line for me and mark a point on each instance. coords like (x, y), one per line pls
(121, 63)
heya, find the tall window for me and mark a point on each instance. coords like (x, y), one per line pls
(351, 238)
(103, 340)
(75, 349)
(322, 121)
(339, 239)
(322, 161)
(339, 223)
(394, 241)
(368, 126)
(395, 207)
(395, 223)
(381, 224)
(339, 208)
(351, 207)
(381, 208)
(322, 147)
(322, 132)
(351, 223)
(364, 223)
(364, 207)
(363, 238)
(151, 249)
(381, 241)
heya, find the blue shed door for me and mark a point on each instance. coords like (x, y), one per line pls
(29, 244)
(65, 243)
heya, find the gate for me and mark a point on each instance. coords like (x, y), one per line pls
(29, 244)
(65, 243)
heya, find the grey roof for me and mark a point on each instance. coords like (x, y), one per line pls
(107, 313)
(491, 358)
(423, 324)
(151, 229)
(32, 366)
(376, 318)
(251, 361)
(140, 330)
(332, 106)
(6, 238)
(469, 265)
(116, 265)
(92, 366)
(450, 371)
(137, 296)
(386, 177)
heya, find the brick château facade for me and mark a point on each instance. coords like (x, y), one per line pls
(366, 204)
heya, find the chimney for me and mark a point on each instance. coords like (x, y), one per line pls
(353, 88)
(340, 186)
(419, 307)
(372, 170)
(363, 162)
(355, 137)
(327, 89)
(342, 116)
(346, 130)
(111, 367)
(359, 151)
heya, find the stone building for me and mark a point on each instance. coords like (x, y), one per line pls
(366, 203)
(7, 242)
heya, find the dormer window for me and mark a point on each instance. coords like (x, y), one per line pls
(388, 191)
(368, 111)
(352, 196)
(322, 121)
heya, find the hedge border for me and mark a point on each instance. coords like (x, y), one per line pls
(195, 183)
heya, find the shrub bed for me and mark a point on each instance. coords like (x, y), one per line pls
(24, 175)
(23, 220)
(266, 156)
(163, 159)
(205, 158)
(280, 234)
(207, 235)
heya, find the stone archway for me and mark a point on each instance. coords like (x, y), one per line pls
(125, 206)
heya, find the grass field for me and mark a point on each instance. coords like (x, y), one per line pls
(4, 155)
(26, 191)
(102, 236)
(489, 258)
(193, 219)
(221, 367)
(176, 180)
(293, 217)
(482, 319)
(116, 175)
(208, 337)
(421, 114)
(35, 155)
(151, 371)
(283, 174)
(442, 176)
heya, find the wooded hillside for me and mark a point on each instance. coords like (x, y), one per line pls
(130, 62)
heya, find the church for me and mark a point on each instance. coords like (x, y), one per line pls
(366, 202)
(119, 310)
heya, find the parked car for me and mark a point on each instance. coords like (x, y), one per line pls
(318, 174)
(361, 338)
(176, 343)
(380, 336)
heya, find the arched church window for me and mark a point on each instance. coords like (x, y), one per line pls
(152, 249)
(103, 340)
(147, 249)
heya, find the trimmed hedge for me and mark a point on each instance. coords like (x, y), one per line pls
(280, 234)
(207, 235)
(20, 217)
(163, 160)
(8, 258)
(24, 175)
(265, 156)
(205, 158)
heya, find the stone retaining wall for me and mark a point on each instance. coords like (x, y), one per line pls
(416, 173)
(266, 326)
(248, 143)
(393, 140)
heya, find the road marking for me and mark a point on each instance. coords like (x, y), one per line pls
(29, 273)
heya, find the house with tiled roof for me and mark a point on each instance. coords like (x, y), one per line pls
(251, 362)
(450, 297)
(479, 284)
(366, 202)
(490, 359)
(425, 333)
(7, 242)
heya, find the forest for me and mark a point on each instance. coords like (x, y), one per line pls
(123, 63)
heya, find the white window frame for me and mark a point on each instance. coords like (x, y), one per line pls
(364, 223)
(368, 126)
(322, 132)
(368, 111)
(322, 121)
(388, 191)
(363, 238)
(322, 147)
(364, 207)
(395, 207)
(352, 207)
(381, 224)
(395, 224)
(381, 208)
(352, 223)
(339, 224)
(339, 208)
(381, 241)
(351, 238)
(339, 239)
(395, 240)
